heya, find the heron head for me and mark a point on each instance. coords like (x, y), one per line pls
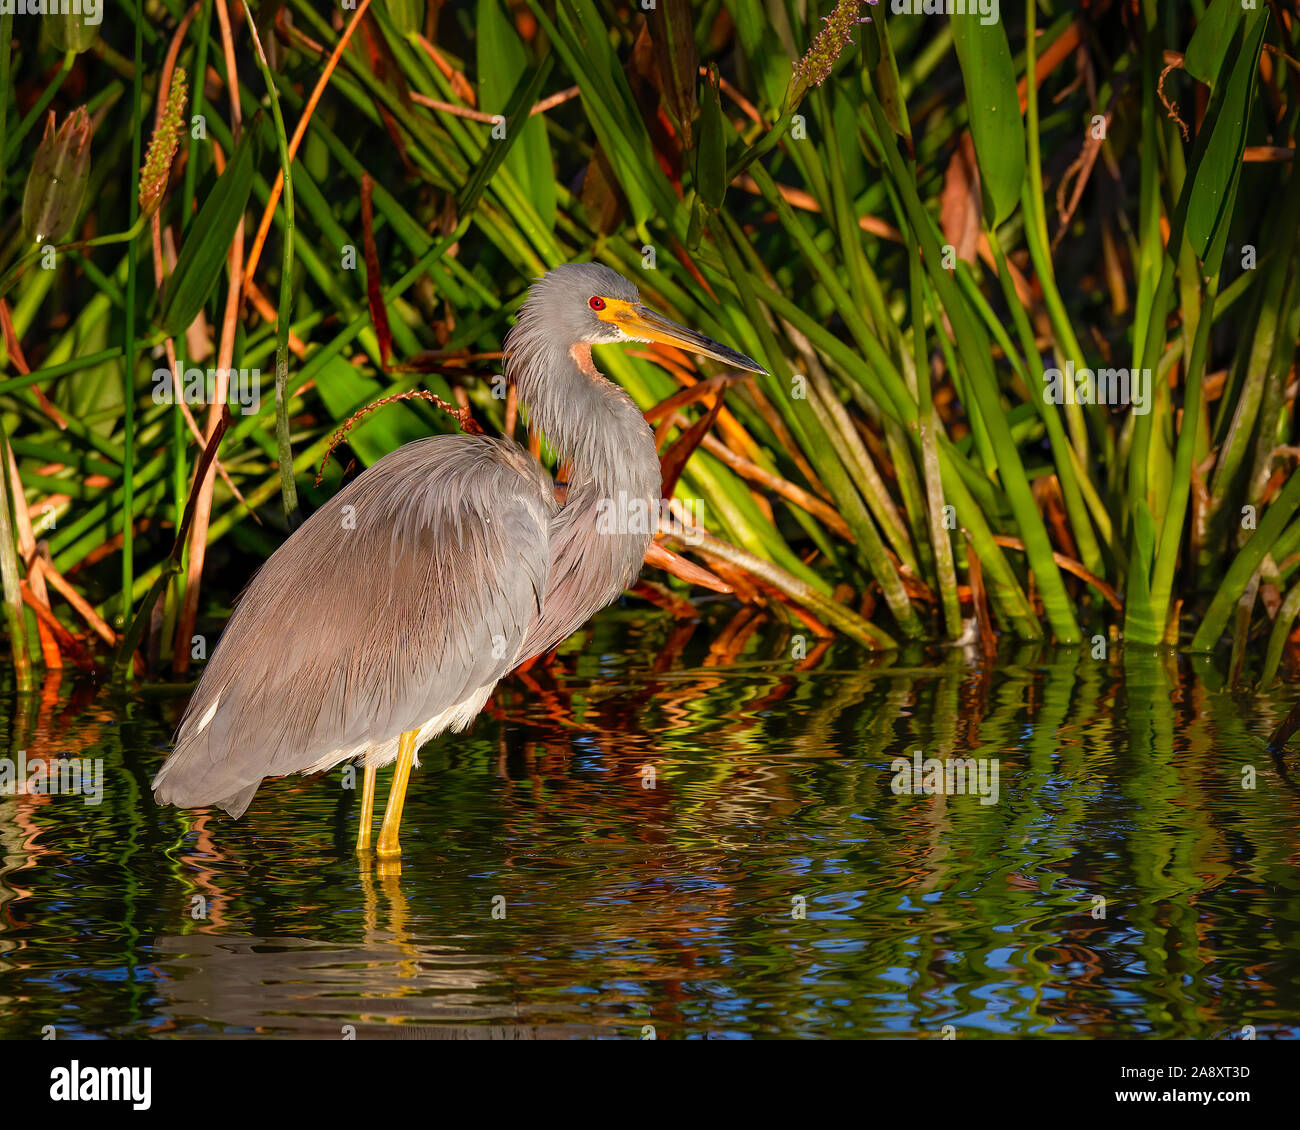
(590, 304)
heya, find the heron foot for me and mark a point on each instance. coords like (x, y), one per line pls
(388, 846)
(367, 809)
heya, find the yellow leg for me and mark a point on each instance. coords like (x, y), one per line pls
(367, 809)
(388, 846)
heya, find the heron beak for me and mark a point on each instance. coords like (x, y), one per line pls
(644, 324)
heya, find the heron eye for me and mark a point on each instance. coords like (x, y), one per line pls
(596, 303)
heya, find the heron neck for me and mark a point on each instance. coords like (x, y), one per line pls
(593, 426)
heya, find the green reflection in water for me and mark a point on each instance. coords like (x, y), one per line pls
(1124, 884)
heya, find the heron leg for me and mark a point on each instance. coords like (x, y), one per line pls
(387, 845)
(367, 805)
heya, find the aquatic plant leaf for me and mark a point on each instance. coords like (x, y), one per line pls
(199, 266)
(995, 122)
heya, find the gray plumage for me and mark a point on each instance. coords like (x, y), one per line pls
(403, 600)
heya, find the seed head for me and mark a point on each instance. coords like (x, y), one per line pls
(815, 67)
(162, 147)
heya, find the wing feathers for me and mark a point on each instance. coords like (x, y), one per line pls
(411, 589)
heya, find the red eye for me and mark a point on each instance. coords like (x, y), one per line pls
(596, 303)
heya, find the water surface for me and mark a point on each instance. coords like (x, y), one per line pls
(682, 829)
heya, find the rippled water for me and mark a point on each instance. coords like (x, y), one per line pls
(770, 883)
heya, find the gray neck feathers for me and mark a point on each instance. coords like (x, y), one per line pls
(591, 424)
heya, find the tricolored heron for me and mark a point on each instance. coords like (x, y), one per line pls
(389, 616)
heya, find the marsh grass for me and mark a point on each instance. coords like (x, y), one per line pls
(910, 236)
